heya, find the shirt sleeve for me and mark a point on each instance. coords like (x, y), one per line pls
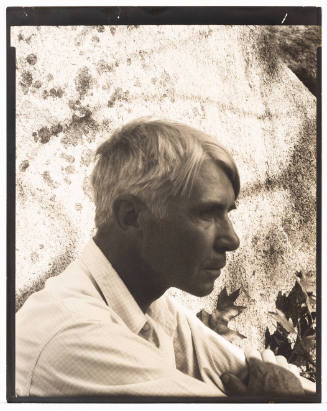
(202, 353)
(108, 359)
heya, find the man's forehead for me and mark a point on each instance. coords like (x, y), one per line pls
(211, 178)
(210, 171)
(211, 186)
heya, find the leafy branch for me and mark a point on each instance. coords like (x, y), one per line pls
(295, 316)
(295, 334)
(224, 312)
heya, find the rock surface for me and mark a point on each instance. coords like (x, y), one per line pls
(75, 85)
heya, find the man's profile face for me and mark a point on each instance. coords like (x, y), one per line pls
(187, 248)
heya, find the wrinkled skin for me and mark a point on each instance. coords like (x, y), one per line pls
(271, 378)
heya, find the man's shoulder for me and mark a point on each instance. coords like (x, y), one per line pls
(67, 312)
(170, 313)
(70, 294)
(173, 305)
(69, 301)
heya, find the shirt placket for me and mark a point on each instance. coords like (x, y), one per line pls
(156, 336)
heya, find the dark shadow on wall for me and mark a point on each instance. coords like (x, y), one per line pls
(297, 177)
(297, 48)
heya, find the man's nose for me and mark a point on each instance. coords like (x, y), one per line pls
(226, 237)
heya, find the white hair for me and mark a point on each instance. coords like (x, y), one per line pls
(154, 160)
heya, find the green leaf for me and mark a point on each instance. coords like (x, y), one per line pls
(204, 316)
(226, 308)
(225, 300)
(306, 282)
(283, 321)
(294, 336)
(225, 311)
(307, 285)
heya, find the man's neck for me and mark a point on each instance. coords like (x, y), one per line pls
(127, 265)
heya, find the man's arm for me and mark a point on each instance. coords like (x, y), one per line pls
(268, 375)
(216, 356)
(100, 359)
(213, 355)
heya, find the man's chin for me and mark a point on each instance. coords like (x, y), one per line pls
(203, 291)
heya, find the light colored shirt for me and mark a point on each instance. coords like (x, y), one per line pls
(84, 334)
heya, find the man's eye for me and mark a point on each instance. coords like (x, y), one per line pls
(206, 216)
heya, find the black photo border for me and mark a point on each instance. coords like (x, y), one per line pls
(71, 16)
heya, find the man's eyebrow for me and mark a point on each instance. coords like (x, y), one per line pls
(212, 204)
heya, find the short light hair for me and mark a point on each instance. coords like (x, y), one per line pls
(154, 160)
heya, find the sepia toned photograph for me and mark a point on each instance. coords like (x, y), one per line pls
(164, 228)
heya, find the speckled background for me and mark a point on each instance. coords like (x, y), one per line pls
(75, 85)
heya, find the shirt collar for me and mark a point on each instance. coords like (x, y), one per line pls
(163, 312)
(113, 288)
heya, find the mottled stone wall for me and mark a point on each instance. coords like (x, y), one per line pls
(75, 85)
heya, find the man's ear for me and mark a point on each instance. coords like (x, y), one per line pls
(126, 210)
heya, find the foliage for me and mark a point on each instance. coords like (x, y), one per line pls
(224, 312)
(295, 334)
(295, 315)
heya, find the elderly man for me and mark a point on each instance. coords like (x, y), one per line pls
(163, 194)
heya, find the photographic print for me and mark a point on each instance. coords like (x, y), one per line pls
(163, 229)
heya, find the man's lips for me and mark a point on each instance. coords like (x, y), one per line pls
(215, 268)
(212, 273)
(215, 265)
